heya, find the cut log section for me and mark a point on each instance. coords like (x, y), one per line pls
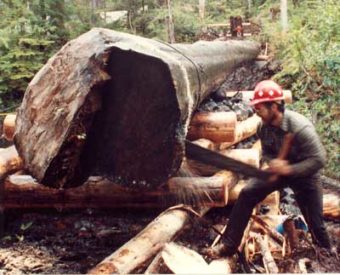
(116, 104)
(331, 206)
(10, 162)
(146, 244)
(215, 126)
(24, 192)
(212, 191)
(244, 129)
(8, 127)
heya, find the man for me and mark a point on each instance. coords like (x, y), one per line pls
(299, 171)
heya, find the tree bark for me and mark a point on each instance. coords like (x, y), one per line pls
(116, 104)
(170, 24)
(284, 15)
(201, 9)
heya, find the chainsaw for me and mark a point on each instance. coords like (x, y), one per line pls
(206, 156)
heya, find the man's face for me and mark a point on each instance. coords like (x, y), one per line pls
(264, 112)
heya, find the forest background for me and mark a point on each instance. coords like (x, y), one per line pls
(31, 31)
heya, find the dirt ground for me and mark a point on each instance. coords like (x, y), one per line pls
(56, 241)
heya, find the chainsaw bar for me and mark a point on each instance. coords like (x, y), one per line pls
(206, 156)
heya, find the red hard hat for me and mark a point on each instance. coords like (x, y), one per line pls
(266, 91)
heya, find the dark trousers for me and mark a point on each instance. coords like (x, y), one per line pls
(308, 195)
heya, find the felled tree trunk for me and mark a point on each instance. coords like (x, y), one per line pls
(116, 104)
(24, 192)
(145, 245)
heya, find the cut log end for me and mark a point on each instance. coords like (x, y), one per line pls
(141, 120)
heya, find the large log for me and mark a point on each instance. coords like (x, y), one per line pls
(117, 104)
(24, 192)
(146, 244)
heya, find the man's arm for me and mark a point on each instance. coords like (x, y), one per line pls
(311, 151)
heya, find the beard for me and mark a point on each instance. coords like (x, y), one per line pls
(269, 119)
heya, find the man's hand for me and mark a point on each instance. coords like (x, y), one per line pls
(280, 167)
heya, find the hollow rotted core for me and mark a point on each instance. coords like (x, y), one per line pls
(133, 137)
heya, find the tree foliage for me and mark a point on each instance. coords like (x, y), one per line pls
(310, 54)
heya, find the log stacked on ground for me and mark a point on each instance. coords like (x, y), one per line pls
(146, 244)
(25, 192)
(114, 92)
(8, 127)
(10, 161)
(215, 126)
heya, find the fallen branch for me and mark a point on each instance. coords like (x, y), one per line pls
(267, 257)
(271, 232)
(146, 244)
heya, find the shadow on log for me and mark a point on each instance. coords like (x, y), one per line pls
(118, 105)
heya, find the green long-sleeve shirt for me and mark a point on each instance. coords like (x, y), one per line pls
(307, 155)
